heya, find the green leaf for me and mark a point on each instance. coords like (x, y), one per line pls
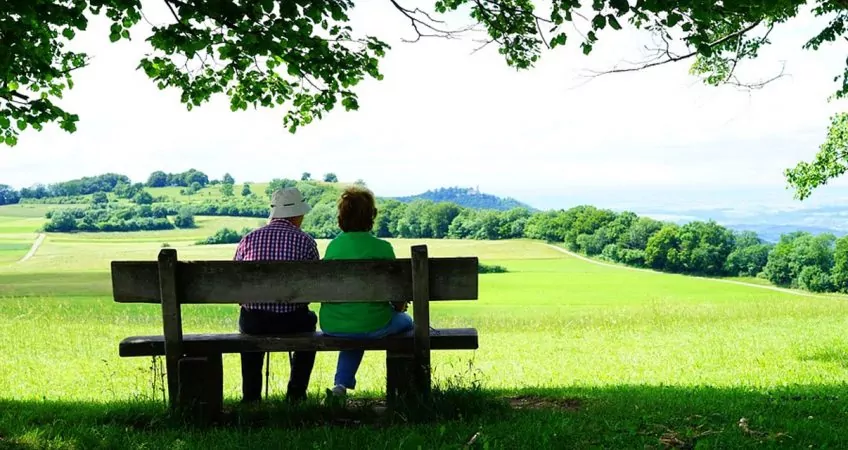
(673, 19)
(13, 86)
(125, 34)
(620, 5)
(22, 124)
(11, 141)
(114, 37)
(829, 162)
(68, 33)
(599, 22)
(613, 22)
(5, 122)
(558, 40)
(350, 103)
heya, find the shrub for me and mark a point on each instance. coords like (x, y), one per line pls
(96, 219)
(62, 221)
(64, 200)
(490, 268)
(632, 257)
(143, 198)
(611, 253)
(225, 236)
(814, 279)
(99, 198)
(184, 218)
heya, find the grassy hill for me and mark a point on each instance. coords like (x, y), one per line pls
(468, 198)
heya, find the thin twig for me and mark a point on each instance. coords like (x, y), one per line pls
(542, 33)
(171, 7)
(483, 44)
(680, 57)
(760, 84)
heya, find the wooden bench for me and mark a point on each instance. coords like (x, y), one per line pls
(193, 361)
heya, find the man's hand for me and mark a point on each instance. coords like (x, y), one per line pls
(400, 306)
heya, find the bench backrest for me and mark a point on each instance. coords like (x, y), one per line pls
(294, 281)
(172, 283)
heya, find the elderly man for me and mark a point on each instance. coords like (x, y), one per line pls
(280, 239)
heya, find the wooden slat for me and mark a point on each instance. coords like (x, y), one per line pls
(207, 344)
(171, 319)
(421, 318)
(295, 281)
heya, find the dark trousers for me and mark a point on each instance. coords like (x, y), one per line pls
(266, 322)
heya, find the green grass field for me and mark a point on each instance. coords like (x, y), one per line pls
(572, 355)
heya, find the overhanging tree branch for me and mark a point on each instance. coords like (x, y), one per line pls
(427, 22)
(671, 58)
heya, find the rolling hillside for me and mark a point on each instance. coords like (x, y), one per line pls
(468, 198)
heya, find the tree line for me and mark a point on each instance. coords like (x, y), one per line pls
(799, 260)
(182, 179)
(83, 186)
(118, 218)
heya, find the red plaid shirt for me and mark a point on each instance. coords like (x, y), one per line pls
(279, 240)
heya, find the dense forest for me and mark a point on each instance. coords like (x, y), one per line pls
(467, 197)
(111, 202)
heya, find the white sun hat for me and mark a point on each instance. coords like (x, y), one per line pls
(288, 202)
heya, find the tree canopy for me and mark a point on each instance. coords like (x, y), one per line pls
(306, 57)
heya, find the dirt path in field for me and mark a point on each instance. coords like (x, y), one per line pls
(717, 280)
(34, 248)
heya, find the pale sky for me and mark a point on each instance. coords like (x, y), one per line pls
(445, 117)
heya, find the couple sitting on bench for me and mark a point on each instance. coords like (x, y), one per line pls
(283, 239)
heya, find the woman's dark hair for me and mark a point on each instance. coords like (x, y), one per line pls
(357, 209)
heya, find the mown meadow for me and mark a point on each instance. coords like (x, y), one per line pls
(572, 355)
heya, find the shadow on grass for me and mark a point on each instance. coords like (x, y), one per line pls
(608, 417)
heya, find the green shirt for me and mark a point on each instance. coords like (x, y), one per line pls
(356, 317)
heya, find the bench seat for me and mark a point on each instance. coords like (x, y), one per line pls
(207, 344)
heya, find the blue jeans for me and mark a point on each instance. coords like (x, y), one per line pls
(349, 360)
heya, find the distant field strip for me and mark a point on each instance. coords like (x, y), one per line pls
(649, 271)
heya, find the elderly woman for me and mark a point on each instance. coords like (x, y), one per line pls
(358, 320)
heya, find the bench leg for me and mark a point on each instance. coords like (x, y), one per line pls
(399, 377)
(407, 381)
(201, 388)
(422, 376)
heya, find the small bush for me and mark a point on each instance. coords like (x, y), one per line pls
(184, 218)
(814, 279)
(99, 198)
(143, 198)
(490, 268)
(225, 236)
